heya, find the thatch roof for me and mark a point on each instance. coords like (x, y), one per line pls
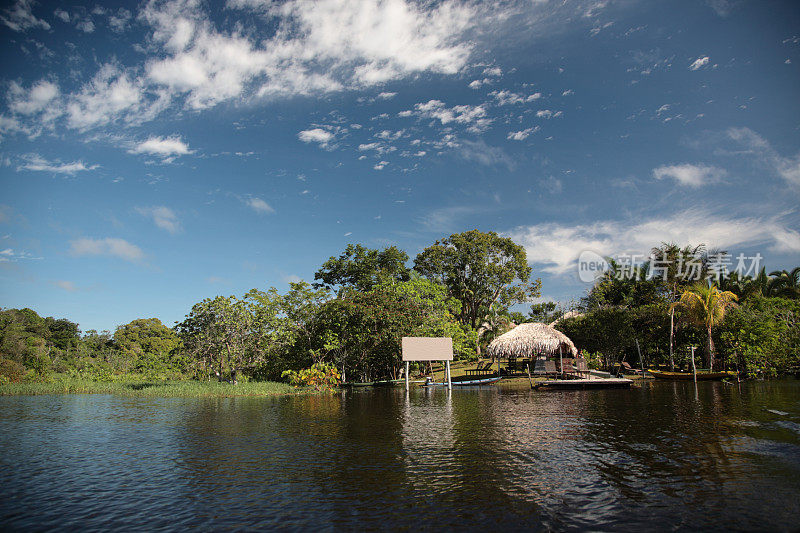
(530, 339)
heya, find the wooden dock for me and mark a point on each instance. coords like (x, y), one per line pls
(578, 384)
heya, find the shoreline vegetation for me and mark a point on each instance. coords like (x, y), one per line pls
(150, 388)
(347, 325)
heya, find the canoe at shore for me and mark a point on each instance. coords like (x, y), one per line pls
(461, 382)
(572, 384)
(701, 376)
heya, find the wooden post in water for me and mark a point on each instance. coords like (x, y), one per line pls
(694, 370)
(641, 361)
(671, 330)
(530, 380)
(561, 361)
(406, 375)
(449, 381)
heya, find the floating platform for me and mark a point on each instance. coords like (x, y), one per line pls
(609, 383)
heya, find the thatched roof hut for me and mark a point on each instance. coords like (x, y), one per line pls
(531, 339)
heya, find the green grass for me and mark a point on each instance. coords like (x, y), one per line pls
(167, 389)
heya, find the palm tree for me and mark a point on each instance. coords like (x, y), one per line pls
(705, 305)
(786, 283)
(671, 256)
(494, 324)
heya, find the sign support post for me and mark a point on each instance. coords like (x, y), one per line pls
(428, 349)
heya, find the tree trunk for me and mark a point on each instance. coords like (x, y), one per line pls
(710, 350)
(671, 337)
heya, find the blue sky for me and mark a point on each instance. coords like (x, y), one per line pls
(155, 154)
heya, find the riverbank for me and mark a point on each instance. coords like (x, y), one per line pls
(166, 389)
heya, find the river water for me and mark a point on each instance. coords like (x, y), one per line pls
(663, 456)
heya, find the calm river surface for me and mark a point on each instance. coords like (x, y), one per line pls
(664, 456)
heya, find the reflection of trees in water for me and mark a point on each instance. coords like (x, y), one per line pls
(365, 480)
(608, 459)
(247, 459)
(668, 445)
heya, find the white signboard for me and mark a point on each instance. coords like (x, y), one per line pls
(427, 349)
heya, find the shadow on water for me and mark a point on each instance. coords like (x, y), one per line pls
(664, 456)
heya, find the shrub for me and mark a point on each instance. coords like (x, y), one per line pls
(11, 371)
(320, 376)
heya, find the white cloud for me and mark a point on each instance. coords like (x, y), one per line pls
(557, 246)
(546, 113)
(477, 84)
(9, 255)
(109, 246)
(316, 47)
(380, 165)
(510, 98)
(551, 184)
(259, 206)
(33, 101)
(444, 219)
(480, 152)
(690, 175)
(86, 26)
(37, 163)
(473, 116)
(66, 285)
(522, 134)
(109, 95)
(787, 168)
(386, 95)
(163, 217)
(699, 63)
(316, 135)
(164, 147)
(20, 17)
(61, 14)
(119, 21)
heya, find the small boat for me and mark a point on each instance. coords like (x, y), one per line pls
(602, 383)
(465, 381)
(379, 383)
(688, 376)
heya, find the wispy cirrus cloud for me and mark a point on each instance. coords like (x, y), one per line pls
(473, 116)
(557, 246)
(109, 246)
(19, 17)
(163, 217)
(10, 255)
(259, 206)
(751, 143)
(690, 175)
(36, 163)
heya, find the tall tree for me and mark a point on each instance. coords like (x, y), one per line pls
(705, 306)
(148, 345)
(362, 268)
(671, 270)
(479, 269)
(218, 332)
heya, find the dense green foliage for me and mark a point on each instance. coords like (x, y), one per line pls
(759, 336)
(463, 287)
(479, 270)
(362, 268)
